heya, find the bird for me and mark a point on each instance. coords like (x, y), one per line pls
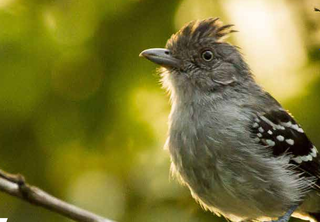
(240, 153)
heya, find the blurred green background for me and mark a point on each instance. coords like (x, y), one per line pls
(84, 118)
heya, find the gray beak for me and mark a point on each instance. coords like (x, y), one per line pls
(161, 57)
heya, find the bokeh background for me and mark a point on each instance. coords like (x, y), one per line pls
(84, 118)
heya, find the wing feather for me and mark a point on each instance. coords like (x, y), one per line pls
(277, 130)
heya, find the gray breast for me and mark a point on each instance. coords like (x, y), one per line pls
(227, 171)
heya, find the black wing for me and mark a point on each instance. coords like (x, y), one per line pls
(278, 130)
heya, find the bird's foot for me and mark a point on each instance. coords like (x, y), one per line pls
(286, 217)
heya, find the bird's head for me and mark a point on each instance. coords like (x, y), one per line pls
(197, 59)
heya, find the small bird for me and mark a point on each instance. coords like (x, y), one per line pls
(241, 154)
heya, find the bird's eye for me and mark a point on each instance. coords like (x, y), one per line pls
(207, 55)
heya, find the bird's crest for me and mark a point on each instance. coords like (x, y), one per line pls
(198, 30)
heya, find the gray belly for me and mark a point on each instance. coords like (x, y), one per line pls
(230, 181)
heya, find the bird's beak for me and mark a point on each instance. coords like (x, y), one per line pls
(161, 57)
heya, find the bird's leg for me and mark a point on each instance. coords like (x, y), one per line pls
(287, 215)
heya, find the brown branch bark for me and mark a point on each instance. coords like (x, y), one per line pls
(15, 185)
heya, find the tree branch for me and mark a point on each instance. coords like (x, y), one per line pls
(15, 185)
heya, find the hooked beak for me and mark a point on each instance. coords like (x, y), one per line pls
(161, 57)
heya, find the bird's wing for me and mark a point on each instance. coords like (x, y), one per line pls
(277, 130)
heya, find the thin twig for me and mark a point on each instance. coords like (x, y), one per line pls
(15, 185)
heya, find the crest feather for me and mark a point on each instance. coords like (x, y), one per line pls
(197, 30)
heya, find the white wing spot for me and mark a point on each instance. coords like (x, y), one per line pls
(270, 132)
(279, 127)
(290, 142)
(297, 159)
(300, 130)
(314, 151)
(255, 125)
(306, 158)
(288, 124)
(297, 128)
(261, 130)
(257, 139)
(270, 142)
(259, 134)
(309, 157)
(280, 138)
